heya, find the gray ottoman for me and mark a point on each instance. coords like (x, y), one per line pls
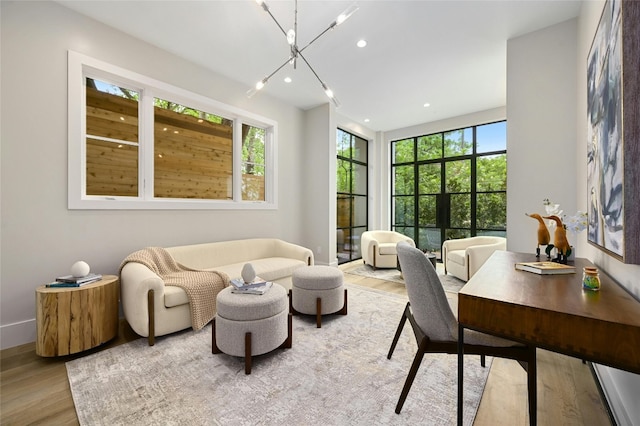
(318, 290)
(247, 324)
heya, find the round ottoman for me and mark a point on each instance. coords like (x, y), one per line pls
(318, 290)
(247, 324)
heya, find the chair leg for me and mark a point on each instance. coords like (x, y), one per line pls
(318, 312)
(482, 361)
(152, 318)
(403, 320)
(417, 360)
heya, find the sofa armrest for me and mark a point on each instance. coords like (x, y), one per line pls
(135, 282)
(294, 251)
(368, 247)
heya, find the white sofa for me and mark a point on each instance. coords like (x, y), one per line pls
(463, 257)
(153, 309)
(379, 248)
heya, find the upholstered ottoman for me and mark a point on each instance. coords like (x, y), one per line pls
(318, 290)
(247, 324)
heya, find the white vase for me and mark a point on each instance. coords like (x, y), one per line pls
(248, 273)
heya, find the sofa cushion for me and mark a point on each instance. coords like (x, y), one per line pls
(457, 256)
(270, 268)
(174, 296)
(387, 248)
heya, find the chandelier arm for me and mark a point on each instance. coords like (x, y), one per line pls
(266, 9)
(278, 69)
(330, 27)
(312, 70)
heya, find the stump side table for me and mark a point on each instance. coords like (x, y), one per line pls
(74, 319)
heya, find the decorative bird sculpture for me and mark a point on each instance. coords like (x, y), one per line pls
(560, 241)
(543, 232)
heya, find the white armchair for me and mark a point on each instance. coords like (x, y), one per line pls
(379, 248)
(464, 256)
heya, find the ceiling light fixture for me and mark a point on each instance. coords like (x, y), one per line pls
(295, 52)
(361, 43)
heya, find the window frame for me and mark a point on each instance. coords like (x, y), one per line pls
(81, 66)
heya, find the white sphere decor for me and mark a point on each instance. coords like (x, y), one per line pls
(80, 269)
(248, 273)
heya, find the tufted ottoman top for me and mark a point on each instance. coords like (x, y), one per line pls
(317, 277)
(249, 307)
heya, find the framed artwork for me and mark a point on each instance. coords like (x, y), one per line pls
(613, 152)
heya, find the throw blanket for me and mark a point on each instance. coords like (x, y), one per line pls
(202, 287)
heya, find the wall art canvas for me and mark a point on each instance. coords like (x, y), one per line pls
(613, 136)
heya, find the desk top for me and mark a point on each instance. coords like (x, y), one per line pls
(553, 311)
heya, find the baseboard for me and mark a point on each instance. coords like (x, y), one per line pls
(618, 412)
(17, 334)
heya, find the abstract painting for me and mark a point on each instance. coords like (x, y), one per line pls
(613, 135)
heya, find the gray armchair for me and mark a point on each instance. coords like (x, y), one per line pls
(436, 327)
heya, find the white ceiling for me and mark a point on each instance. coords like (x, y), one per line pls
(450, 54)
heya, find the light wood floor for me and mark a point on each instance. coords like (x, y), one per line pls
(35, 390)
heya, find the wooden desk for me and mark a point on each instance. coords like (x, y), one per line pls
(551, 312)
(74, 319)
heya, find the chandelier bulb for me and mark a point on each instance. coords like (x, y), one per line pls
(346, 14)
(291, 37)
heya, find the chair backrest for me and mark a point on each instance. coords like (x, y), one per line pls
(427, 297)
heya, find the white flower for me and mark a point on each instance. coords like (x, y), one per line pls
(576, 223)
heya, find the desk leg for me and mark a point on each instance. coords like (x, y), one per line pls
(460, 371)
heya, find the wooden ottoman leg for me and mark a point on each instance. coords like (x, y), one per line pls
(152, 318)
(291, 308)
(247, 353)
(288, 343)
(318, 312)
(214, 346)
(343, 311)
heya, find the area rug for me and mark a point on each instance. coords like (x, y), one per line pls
(335, 375)
(449, 282)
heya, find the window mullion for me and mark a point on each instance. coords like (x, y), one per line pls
(146, 146)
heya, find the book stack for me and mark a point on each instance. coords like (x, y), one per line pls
(257, 286)
(71, 281)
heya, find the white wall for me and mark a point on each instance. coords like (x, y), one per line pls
(541, 129)
(40, 237)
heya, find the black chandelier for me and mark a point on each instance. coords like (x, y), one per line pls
(295, 52)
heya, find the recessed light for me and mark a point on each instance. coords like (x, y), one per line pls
(361, 43)
(427, 105)
(366, 120)
(287, 79)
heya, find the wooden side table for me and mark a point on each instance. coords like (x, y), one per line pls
(74, 319)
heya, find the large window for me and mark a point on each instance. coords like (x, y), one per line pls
(138, 143)
(450, 184)
(352, 195)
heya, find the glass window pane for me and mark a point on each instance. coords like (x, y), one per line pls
(343, 141)
(343, 208)
(402, 151)
(458, 142)
(403, 211)
(458, 176)
(491, 210)
(430, 147)
(452, 234)
(359, 149)
(427, 211)
(343, 182)
(359, 179)
(429, 239)
(460, 214)
(430, 178)
(253, 163)
(359, 211)
(491, 173)
(403, 180)
(112, 139)
(193, 153)
(491, 137)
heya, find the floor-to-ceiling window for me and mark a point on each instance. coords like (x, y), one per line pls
(352, 195)
(450, 184)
